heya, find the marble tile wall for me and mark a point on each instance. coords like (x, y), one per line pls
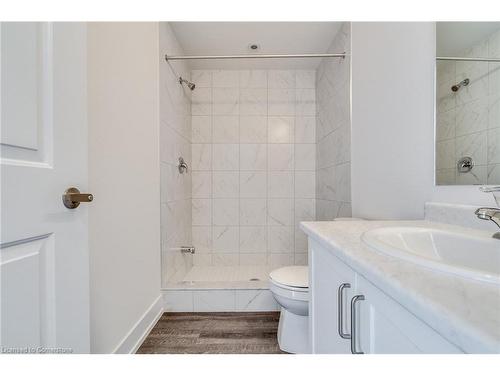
(175, 141)
(333, 132)
(456, 214)
(253, 165)
(468, 121)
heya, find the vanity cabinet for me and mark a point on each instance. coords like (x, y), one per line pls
(330, 314)
(379, 324)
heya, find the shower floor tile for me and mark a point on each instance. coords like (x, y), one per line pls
(224, 277)
(226, 273)
(214, 333)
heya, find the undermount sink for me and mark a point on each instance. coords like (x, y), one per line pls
(471, 256)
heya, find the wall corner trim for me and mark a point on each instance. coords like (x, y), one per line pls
(136, 336)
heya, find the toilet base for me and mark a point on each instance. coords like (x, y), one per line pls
(293, 333)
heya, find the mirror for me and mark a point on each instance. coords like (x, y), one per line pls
(467, 103)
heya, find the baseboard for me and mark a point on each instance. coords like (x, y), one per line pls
(135, 337)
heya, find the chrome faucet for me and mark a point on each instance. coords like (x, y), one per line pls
(183, 167)
(489, 189)
(188, 249)
(490, 213)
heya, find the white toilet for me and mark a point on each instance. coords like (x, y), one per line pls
(290, 288)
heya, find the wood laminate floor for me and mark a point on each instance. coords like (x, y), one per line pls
(214, 333)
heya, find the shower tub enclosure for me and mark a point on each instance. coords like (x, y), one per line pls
(265, 149)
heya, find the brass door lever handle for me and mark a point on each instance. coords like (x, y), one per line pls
(72, 198)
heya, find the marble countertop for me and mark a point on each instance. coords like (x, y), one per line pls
(465, 312)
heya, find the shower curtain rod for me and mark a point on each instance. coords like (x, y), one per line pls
(452, 58)
(220, 57)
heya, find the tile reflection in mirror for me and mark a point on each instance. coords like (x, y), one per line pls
(467, 103)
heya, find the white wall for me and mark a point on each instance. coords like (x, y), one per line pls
(175, 141)
(124, 177)
(253, 166)
(393, 123)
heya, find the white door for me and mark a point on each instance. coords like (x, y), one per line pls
(44, 255)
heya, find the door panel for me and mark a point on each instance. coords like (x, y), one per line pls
(386, 327)
(21, 82)
(328, 273)
(27, 271)
(26, 93)
(44, 255)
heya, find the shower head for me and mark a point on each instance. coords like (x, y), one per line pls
(190, 85)
(457, 87)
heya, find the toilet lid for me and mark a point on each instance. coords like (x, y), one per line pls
(294, 276)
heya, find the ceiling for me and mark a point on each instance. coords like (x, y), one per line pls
(230, 38)
(454, 37)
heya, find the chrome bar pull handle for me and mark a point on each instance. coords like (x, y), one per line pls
(340, 312)
(354, 316)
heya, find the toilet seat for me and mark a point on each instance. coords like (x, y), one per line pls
(297, 294)
(292, 277)
(290, 282)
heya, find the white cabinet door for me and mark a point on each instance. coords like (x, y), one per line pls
(43, 142)
(384, 326)
(328, 273)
